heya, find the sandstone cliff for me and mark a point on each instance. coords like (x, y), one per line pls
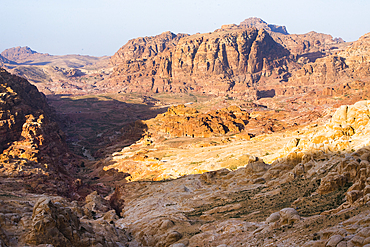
(249, 60)
(213, 63)
(181, 121)
(346, 72)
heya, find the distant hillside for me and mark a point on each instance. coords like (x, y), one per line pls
(4, 60)
(22, 54)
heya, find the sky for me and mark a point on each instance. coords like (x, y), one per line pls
(101, 27)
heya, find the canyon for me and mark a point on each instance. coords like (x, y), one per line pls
(244, 136)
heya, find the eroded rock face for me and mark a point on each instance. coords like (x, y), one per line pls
(334, 75)
(26, 129)
(225, 54)
(18, 99)
(201, 62)
(185, 121)
(31, 144)
(50, 220)
(251, 60)
(53, 224)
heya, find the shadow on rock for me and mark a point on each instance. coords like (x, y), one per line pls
(95, 121)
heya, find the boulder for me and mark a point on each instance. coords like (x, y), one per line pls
(53, 224)
(289, 216)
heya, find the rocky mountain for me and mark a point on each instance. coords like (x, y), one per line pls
(213, 63)
(245, 136)
(342, 73)
(261, 24)
(241, 60)
(21, 54)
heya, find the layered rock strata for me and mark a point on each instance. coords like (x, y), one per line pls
(212, 63)
(235, 59)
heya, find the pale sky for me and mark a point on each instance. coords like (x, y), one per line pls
(101, 27)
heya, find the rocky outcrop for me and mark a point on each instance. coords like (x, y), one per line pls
(181, 121)
(18, 100)
(53, 224)
(31, 143)
(50, 220)
(347, 131)
(284, 216)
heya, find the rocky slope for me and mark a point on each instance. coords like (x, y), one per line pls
(56, 74)
(315, 192)
(32, 146)
(283, 170)
(35, 167)
(4, 60)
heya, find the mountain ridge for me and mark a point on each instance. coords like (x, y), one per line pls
(237, 137)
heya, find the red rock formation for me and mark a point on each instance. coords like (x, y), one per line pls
(261, 24)
(184, 121)
(238, 60)
(181, 121)
(31, 145)
(144, 48)
(212, 63)
(334, 75)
